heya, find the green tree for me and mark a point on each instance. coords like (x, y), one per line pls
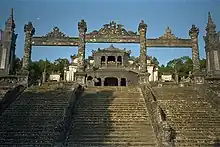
(59, 65)
(203, 63)
(155, 61)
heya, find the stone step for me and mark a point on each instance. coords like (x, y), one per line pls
(113, 139)
(106, 143)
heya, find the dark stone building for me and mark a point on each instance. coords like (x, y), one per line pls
(7, 46)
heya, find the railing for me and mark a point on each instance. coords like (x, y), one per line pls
(164, 133)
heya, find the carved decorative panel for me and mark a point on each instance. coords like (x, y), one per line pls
(55, 33)
(113, 29)
(168, 34)
(42, 41)
(112, 33)
(216, 60)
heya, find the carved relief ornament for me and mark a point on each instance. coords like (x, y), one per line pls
(113, 29)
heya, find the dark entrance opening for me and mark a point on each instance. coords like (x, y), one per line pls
(123, 82)
(90, 81)
(111, 81)
(111, 59)
(98, 82)
(119, 60)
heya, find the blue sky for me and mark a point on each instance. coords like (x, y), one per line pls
(179, 15)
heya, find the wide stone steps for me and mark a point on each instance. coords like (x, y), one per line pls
(195, 120)
(111, 117)
(31, 119)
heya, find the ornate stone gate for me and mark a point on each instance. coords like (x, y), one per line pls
(111, 33)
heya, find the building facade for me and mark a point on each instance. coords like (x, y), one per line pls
(112, 67)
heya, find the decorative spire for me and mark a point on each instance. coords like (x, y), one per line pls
(9, 24)
(210, 28)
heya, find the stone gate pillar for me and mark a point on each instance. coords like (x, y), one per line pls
(29, 32)
(197, 75)
(143, 75)
(80, 74)
(194, 32)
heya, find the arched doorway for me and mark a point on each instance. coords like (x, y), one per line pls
(98, 82)
(123, 82)
(111, 81)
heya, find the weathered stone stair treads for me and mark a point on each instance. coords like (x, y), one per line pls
(192, 116)
(111, 116)
(30, 120)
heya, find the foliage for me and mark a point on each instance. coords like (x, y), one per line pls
(182, 66)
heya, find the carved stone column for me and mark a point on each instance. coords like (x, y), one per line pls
(29, 32)
(82, 27)
(197, 76)
(80, 74)
(143, 51)
(194, 32)
(144, 75)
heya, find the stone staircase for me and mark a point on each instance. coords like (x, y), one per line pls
(111, 116)
(31, 119)
(195, 121)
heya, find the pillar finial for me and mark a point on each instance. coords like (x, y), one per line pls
(194, 31)
(82, 27)
(142, 26)
(29, 28)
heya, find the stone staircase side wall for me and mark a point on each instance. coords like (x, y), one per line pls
(64, 125)
(158, 118)
(11, 96)
(206, 90)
